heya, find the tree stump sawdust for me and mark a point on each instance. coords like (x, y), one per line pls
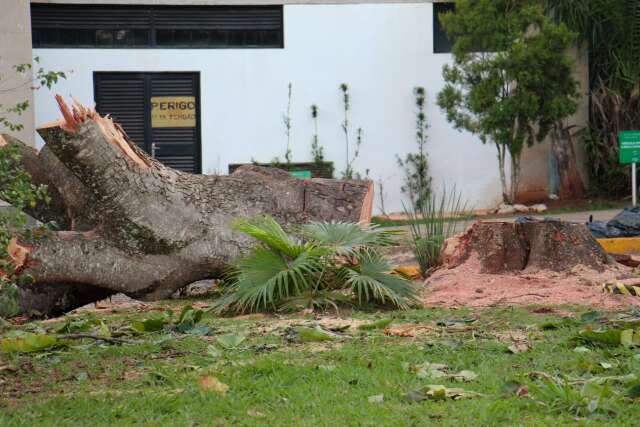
(524, 263)
(529, 245)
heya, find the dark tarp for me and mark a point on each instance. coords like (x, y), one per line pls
(625, 224)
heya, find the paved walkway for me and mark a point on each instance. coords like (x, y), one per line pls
(582, 217)
(605, 215)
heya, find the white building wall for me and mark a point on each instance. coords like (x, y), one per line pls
(381, 50)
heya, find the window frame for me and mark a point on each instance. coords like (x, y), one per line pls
(441, 42)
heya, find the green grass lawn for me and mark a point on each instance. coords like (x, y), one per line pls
(274, 379)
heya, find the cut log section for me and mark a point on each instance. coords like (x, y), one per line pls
(138, 227)
(505, 247)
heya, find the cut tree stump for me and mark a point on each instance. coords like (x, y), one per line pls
(509, 247)
(138, 227)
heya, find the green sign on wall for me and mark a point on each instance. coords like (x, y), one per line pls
(300, 174)
(629, 146)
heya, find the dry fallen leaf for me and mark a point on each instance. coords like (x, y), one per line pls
(440, 392)
(17, 253)
(522, 391)
(254, 413)
(519, 347)
(131, 375)
(209, 383)
(19, 320)
(306, 312)
(200, 305)
(252, 316)
(408, 330)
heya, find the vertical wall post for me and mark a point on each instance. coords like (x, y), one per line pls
(15, 49)
(634, 183)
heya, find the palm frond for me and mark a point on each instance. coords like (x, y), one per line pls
(266, 230)
(346, 238)
(316, 299)
(371, 280)
(264, 277)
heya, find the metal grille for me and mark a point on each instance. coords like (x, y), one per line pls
(219, 18)
(98, 17)
(100, 26)
(123, 97)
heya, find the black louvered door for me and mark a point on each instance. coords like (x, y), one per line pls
(159, 111)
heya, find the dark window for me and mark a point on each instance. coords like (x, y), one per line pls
(441, 42)
(102, 26)
(128, 98)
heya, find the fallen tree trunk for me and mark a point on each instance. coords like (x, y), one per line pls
(510, 247)
(138, 227)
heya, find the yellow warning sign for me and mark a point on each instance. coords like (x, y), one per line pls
(173, 111)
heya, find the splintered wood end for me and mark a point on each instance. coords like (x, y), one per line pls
(17, 253)
(113, 133)
(70, 124)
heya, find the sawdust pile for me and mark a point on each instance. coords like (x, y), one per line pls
(465, 286)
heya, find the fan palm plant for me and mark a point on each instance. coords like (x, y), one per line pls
(321, 265)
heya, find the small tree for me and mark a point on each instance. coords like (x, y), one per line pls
(317, 150)
(417, 182)
(511, 81)
(286, 121)
(350, 158)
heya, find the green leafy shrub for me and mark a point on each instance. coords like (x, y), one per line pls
(318, 267)
(432, 222)
(17, 189)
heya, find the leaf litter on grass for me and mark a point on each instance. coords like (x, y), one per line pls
(212, 384)
(428, 370)
(342, 330)
(440, 392)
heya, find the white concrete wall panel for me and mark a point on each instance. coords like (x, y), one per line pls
(381, 50)
(15, 49)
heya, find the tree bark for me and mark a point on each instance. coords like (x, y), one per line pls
(138, 227)
(505, 247)
(571, 185)
(515, 177)
(503, 176)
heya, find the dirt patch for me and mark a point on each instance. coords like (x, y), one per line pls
(546, 262)
(465, 286)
